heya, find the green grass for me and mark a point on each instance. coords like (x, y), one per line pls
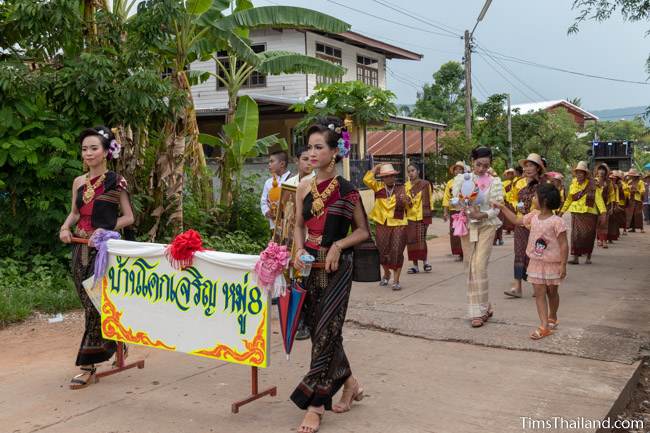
(41, 284)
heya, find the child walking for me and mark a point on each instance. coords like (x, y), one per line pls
(548, 250)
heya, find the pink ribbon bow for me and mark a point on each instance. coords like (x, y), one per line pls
(270, 266)
(459, 224)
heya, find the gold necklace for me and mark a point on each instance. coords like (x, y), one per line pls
(318, 203)
(89, 193)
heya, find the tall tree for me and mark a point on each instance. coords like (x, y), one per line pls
(443, 100)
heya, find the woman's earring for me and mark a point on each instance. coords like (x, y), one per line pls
(332, 163)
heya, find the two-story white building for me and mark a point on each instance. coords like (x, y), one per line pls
(363, 58)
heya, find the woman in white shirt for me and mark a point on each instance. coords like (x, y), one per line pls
(482, 221)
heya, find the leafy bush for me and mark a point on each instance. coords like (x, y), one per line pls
(41, 283)
(235, 242)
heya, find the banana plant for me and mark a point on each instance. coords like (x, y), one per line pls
(239, 142)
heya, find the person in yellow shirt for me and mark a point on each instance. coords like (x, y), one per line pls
(448, 210)
(585, 203)
(634, 208)
(608, 193)
(418, 215)
(521, 198)
(389, 215)
(616, 212)
(557, 179)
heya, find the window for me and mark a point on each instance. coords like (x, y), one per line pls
(256, 79)
(367, 70)
(331, 54)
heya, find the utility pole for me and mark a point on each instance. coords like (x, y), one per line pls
(510, 132)
(468, 86)
(468, 71)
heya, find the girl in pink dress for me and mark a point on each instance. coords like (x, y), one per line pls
(548, 250)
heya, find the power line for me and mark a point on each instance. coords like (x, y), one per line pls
(417, 18)
(505, 78)
(495, 60)
(481, 88)
(403, 80)
(558, 69)
(391, 21)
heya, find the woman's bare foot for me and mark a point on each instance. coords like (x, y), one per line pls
(311, 421)
(352, 391)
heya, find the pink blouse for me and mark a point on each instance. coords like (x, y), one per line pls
(542, 241)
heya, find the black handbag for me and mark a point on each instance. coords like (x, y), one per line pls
(365, 263)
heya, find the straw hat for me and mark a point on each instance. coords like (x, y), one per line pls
(387, 170)
(460, 164)
(614, 174)
(534, 158)
(581, 166)
(510, 170)
(633, 173)
(602, 165)
(555, 175)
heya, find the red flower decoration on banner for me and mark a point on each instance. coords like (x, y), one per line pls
(180, 252)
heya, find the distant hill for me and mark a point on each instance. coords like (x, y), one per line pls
(627, 113)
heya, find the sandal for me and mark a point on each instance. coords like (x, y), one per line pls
(553, 324)
(311, 427)
(512, 293)
(347, 397)
(487, 315)
(540, 333)
(427, 267)
(413, 270)
(477, 322)
(78, 382)
(396, 287)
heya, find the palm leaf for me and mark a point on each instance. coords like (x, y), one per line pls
(284, 17)
(263, 144)
(285, 62)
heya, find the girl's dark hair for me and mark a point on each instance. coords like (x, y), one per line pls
(300, 150)
(548, 196)
(321, 125)
(414, 165)
(481, 152)
(519, 169)
(100, 132)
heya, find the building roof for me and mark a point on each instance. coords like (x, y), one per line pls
(547, 105)
(390, 51)
(390, 142)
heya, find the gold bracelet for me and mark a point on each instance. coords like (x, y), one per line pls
(64, 229)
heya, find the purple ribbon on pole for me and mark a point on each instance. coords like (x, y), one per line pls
(100, 239)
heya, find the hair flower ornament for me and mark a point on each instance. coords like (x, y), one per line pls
(114, 150)
(103, 134)
(344, 144)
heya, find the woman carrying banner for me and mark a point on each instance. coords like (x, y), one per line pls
(634, 208)
(389, 215)
(419, 217)
(330, 216)
(481, 221)
(585, 203)
(98, 199)
(448, 210)
(521, 196)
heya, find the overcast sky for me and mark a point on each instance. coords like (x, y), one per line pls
(527, 29)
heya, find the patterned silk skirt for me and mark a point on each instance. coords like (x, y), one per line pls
(602, 229)
(521, 258)
(477, 256)
(416, 238)
(94, 348)
(583, 233)
(324, 313)
(614, 224)
(634, 215)
(391, 241)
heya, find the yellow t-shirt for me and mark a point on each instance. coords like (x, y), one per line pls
(384, 209)
(415, 211)
(513, 195)
(580, 206)
(640, 189)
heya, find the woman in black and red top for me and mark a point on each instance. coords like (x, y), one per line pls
(98, 199)
(330, 220)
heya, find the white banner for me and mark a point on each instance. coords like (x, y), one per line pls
(212, 309)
